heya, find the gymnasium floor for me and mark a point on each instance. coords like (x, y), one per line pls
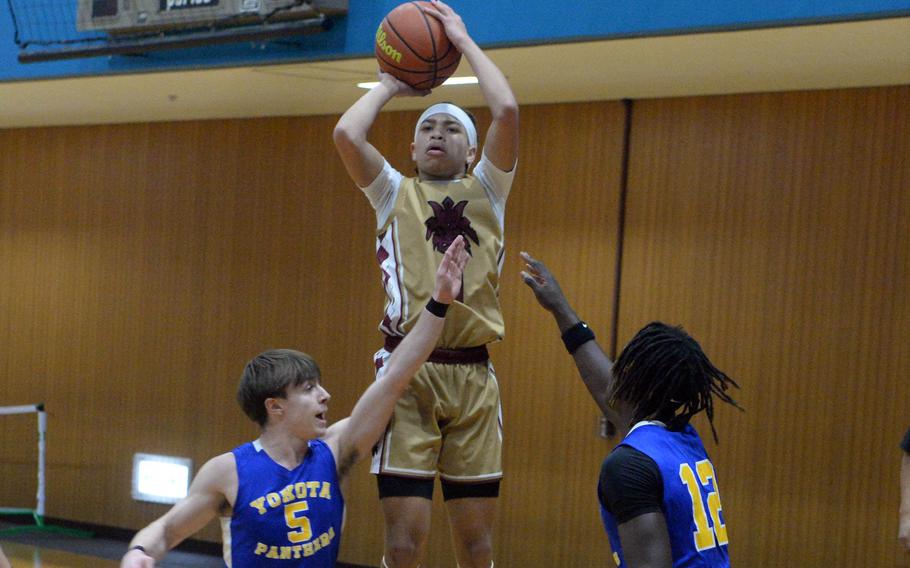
(48, 550)
(27, 555)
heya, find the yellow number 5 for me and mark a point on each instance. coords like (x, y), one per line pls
(705, 536)
(302, 523)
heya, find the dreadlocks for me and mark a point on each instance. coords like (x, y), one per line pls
(664, 373)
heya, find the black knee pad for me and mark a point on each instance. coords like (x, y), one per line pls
(451, 490)
(395, 486)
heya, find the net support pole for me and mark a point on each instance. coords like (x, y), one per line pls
(24, 409)
(42, 462)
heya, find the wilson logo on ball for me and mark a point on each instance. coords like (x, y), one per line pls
(384, 47)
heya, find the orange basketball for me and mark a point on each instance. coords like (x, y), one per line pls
(412, 46)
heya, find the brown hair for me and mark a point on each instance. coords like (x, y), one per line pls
(268, 375)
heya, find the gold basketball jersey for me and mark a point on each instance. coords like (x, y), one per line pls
(426, 218)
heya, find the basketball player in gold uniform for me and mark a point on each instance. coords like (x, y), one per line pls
(449, 422)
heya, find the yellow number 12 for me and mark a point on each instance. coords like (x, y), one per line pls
(705, 536)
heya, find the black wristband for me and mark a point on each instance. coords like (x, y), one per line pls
(138, 547)
(438, 309)
(576, 336)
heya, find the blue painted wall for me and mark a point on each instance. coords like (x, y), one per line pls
(491, 23)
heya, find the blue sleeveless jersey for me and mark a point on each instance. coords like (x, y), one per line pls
(286, 518)
(691, 503)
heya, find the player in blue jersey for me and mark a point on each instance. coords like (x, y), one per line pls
(658, 491)
(281, 495)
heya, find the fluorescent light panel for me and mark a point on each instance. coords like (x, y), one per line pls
(448, 82)
(160, 479)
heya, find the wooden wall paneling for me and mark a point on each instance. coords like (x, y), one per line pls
(564, 211)
(773, 227)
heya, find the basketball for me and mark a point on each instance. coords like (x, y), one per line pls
(412, 46)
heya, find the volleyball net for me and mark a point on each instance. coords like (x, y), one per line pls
(38, 512)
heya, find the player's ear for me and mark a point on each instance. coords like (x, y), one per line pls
(472, 155)
(274, 405)
(413, 154)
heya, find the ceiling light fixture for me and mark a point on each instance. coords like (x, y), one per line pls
(448, 82)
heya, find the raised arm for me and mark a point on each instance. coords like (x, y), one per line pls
(595, 367)
(205, 499)
(354, 437)
(501, 144)
(361, 159)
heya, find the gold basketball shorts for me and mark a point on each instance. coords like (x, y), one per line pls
(449, 422)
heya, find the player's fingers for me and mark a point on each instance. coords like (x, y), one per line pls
(463, 257)
(530, 281)
(530, 271)
(443, 7)
(533, 262)
(458, 259)
(433, 11)
(452, 249)
(456, 254)
(535, 265)
(458, 244)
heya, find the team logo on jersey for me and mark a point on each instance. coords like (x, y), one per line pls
(448, 221)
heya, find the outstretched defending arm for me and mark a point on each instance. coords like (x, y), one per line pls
(353, 438)
(595, 367)
(361, 159)
(501, 144)
(205, 499)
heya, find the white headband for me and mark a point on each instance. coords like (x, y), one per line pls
(456, 113)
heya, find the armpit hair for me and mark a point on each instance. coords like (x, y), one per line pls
(347, 462)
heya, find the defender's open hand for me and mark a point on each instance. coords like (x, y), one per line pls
(544, 285)
(448, 275)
